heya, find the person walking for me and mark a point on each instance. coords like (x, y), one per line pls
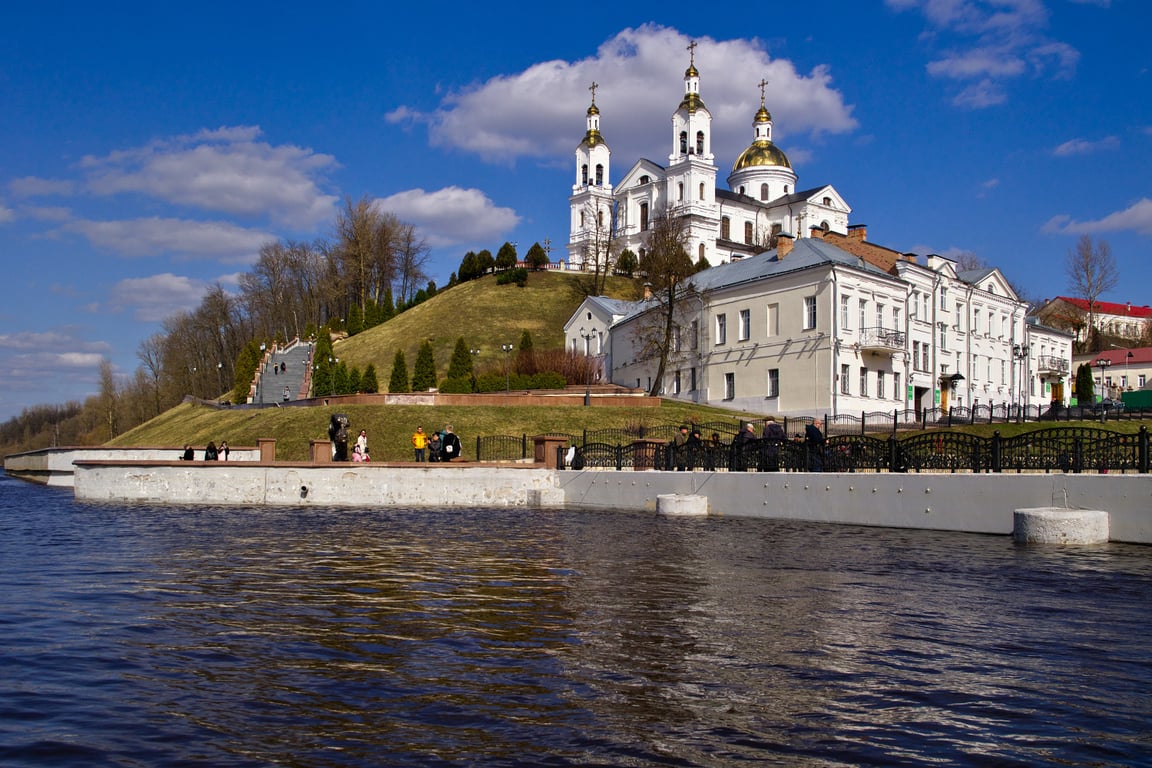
(362, 441)
(775, 437)
(287, 394)
(680, 448)
(419, 444)
(451, 449)
(210, 453)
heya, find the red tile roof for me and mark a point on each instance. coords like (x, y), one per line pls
(1117, 357)
(1110, 308)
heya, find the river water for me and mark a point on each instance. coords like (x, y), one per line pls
(179, 636)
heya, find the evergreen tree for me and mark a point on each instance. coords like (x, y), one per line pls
(340, 379)
(537, 257)
(1085, 389)
(525, 341)
(525, 357)
(431, 289)
(369, 383)
(468, 269)
(460, 366)
(398, 382)
(387, 307)
(424, 374)
(354, 381)
(484, 263)
(505, 257)
(355, 320)
(628, 263)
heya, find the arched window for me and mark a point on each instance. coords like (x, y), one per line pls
(824, 226)
(777, 229)
(827, 201)
(699, 142)
(644, 179)
(584, 174)
(725, 228)
(748, 232)
(785, 189)
(643, 217)
(680, 192)
(741, 190)
(702, 191)
(600, 219)
(683, 142)
(581, 219)
(701, 249)
(599, 175)
(763, 191)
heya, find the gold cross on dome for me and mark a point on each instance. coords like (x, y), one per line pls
(593, 88)
(692, 52)
(762, 83)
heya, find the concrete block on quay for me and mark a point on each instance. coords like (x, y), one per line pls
(1055, 525)
(681, 504)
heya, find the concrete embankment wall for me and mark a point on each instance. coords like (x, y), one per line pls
(304, 484)
(962, 502)
(53, 466)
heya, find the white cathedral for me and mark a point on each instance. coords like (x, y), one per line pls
(723, 225)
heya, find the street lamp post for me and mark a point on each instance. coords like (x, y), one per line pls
(507, 372)
(1020, 352)
(219, 380)
(474, 352)
(1127, 371)
(263, 371)
(587, 336)
(1102, 363)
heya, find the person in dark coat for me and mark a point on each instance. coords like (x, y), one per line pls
(451, 448)
(210, 453)
(774, 437)
(814, 440)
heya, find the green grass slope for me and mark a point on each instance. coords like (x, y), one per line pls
(485, 314)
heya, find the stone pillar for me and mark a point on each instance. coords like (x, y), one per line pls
(1056, 525)
(320, 451)
(267, 446)
(546, 447)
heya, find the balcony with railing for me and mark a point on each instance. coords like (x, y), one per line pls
(885, 340)
(1048, 364)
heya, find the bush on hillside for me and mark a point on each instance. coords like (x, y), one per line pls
(457, 386)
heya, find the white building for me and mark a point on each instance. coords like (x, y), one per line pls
(833, 324)
(760, 203)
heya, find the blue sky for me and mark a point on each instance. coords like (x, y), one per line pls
(147, 151)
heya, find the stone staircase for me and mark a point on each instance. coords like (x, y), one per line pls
(284, 377)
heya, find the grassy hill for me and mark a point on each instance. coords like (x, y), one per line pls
(485, 314)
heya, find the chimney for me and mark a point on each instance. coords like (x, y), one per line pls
(933, 261)
(647, 291)
(817, 232)
(911, 258)
(784, 245)
(858, 231)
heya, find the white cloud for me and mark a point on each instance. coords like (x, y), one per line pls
(37, 340)
(452, 215)
(225, 170)
(152, 299)
(640, 72)
(993, 41)
(218, 240)
(1085, 147)
(1135, 218)
(31, 186)
(6, 214)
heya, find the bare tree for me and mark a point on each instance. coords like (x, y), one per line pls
(411, 257)
(667, 267)
(600, 247)
(1091, 273)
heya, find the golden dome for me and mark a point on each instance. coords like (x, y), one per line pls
(593, 110)
(692, 102)
(691, 71)
(761, 153)
(592, 138)
(763, 116)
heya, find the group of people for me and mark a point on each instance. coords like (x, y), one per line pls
(689, 444)
(211, 452)
(441, 445)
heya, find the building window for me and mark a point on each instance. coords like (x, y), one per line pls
(584, 175)
(692, 380)
(599, 175)
(748, 232)
(772, 319)
(702, 191)
(700, 252)
(683, 142)
(845, 372)
(676, 383)
(745, 329)
(943, 338)
(773, 382)
(916, 355)
(676, 338)
(896, 391)
(959, 318)
(944, 298)
(880, 315)
(721, 329)
(725, 228)
(827, 201)
(763, 191)
(896, 318)
(729, 386)
(880, 384)
(680, 192)
(643, 217)
(924, 357)
(844, 313)
(863, 313)
(699, 142)
(975, 321)
(863, 381)
(809, 313)
(600, 219)
(694, 336)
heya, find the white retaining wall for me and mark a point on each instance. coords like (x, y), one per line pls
(53, 466)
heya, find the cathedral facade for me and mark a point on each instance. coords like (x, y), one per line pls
(760, 202)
